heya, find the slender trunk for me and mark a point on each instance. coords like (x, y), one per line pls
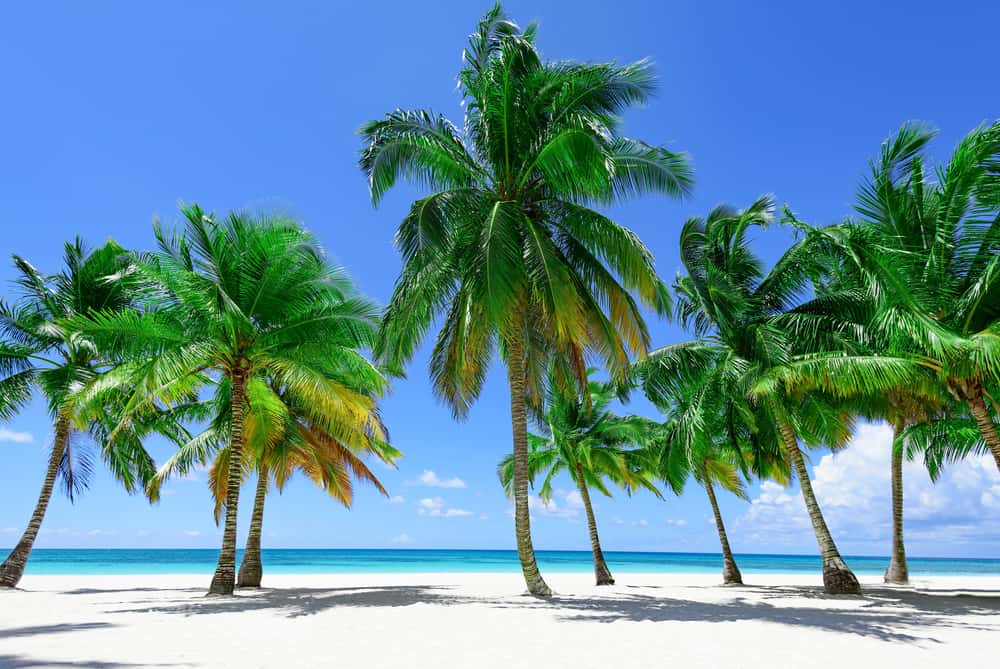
(730, 572)
(224, 580)
(897, 571)
(251, 568)
(13, 567)
(601, 571)
(519, 423)
(986, 425)
(838, 579)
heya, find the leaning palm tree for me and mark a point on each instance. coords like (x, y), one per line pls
(585, 439)
(39, 351)
(748, 330)
(227, 301)
(506, 250)
(701, 439)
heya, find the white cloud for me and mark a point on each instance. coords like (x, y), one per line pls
(192, 533)
(403, 538)
(98, 532)
(142, 533)
(9, 530)
(853, 489)
(397, 499)
(436, 508)
(15, 437)
(483, 516)
(677, 522)
(642, 522)
(563, 504)
(432, 480)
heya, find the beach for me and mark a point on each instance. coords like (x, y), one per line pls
(483, 620)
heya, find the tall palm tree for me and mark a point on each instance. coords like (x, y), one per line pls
(585, 439)
(39, 351)
(227, 301)
(506, 249)
(749, 332)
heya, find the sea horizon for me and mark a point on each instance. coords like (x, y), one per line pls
(136, 561)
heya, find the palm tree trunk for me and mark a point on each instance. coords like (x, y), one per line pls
(601, 571)
(519, 423)
(13, 567)
(251, 568)
(897, 571)
(986, 425)
(224, 580)
(838, 579)
(730, 572)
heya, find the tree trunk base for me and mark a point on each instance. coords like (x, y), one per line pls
(250, 574)
(223, 584)
(9, 577)
(840, 581)
(731, 575)
(12, 568)
(897, 573)
(539, 588)
(602, 574)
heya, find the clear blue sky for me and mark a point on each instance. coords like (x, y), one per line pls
(114, 112)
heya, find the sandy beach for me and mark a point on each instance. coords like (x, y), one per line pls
(480, 620)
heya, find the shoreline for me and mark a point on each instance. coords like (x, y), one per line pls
(317, 561)
(461, 619)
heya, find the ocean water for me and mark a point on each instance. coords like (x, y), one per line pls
(313, 561)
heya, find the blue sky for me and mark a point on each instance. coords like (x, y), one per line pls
(114, 112)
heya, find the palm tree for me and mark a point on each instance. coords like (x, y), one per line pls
(930, 249)
(918, 270)
(227, 301)
(39, 351)
(700, 439)
(585, 439)
(280, 439)
(506, 249)
(749, 332)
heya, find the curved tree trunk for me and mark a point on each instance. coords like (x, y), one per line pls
(897, 571)
(601, 572)
(251, 568)
(838, 579)
(986, 425)
(224, 580)
(519, 423)
(730, 572)
(13, 567)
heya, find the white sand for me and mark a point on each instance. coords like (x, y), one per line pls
(472, 621)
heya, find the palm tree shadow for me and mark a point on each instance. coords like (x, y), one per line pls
(61, 628)
(23, 661)
(887, 614)
(296, 602)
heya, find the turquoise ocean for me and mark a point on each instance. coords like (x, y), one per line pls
(314, 561)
